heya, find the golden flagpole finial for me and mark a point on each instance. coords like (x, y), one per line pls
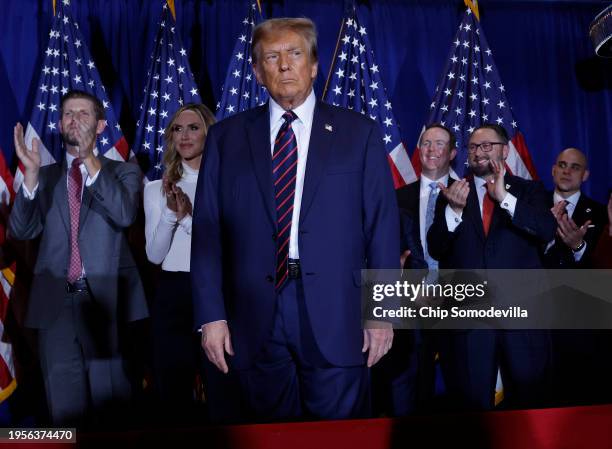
(473, 5)
(171, 6)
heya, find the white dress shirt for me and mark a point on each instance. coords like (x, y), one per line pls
(302, 127)
(169, 240)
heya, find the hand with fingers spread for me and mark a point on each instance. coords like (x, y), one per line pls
(496, 186)
(571, 234)
(216, 341)
(377, 340)
(456, 194)
(29, 158)
(183, 203)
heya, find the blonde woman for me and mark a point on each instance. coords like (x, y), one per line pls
(168, 209)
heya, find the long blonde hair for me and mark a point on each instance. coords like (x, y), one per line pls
(172, 159)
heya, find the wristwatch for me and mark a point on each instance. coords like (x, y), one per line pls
(579, 247)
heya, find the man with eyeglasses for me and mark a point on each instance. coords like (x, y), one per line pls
(492, 220)
(581, 374)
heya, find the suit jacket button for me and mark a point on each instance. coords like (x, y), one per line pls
(269, 278)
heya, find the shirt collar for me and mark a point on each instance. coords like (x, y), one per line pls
(70, 157)
(425, 181)
(479, 182)
(304, 112)
(572, 199)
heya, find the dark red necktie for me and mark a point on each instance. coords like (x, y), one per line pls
(487, 211)
(284, 170)
(75, 185)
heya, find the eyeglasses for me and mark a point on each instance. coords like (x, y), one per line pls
(485, 146)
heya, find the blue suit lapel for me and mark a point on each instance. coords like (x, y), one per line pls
(319, 148)
(258, 133)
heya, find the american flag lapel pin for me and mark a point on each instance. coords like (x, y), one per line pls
(328, 127)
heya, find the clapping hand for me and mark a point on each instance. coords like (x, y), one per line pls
(456, 194)
(29, 158)
(496, 186)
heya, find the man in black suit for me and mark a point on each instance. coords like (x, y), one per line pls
(581, 372)
(580, 219)
(412, 387)
(492, 220)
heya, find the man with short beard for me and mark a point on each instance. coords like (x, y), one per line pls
(492, 220)
(85, 283)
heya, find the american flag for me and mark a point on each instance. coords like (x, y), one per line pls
(356, 84)
(470, 93)
(68, 65)
(241, 90)
(8, 381)
(169, 86)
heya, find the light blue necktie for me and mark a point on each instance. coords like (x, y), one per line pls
(429, 216)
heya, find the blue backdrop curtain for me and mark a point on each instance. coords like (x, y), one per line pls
(561, 93)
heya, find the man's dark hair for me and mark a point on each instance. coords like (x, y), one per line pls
(452, 141)
(75, 94)
(499, 130)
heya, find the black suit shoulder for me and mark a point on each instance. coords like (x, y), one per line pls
(408, 196)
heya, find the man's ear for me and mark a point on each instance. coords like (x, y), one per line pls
(585, 175)
(453, 153)
(100, 127)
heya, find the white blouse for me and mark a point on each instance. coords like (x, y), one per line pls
(169, 240)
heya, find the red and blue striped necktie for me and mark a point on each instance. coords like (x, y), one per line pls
(284, 171)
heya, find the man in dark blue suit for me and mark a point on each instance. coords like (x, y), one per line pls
(294, 199)
(492, 220)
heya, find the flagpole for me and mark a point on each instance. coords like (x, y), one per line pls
(54, 7)
(473, 5)
(172, 10)
(331, 67)
(259, 6)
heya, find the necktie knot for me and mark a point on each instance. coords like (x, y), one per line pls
(289, 116)
(433, 186)
(76, 162)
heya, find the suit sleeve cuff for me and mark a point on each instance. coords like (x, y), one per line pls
(91, 179)
(29, 195)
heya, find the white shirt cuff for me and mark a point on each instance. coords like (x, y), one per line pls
(29, 195)
(90, 180)
(509, 204)
(185, 223)
(453, 219)
(578, 254)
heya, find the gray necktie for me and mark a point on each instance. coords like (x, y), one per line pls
(429, 216)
